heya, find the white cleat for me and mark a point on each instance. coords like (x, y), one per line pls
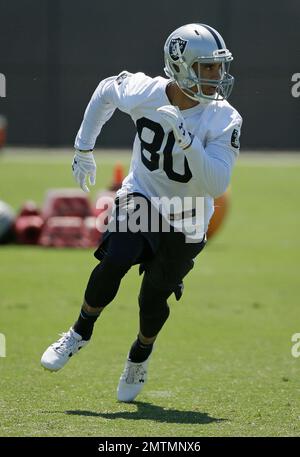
(58, 354)
(132, 380)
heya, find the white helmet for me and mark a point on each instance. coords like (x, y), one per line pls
(198, 43)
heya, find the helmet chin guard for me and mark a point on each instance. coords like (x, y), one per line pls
(186, 49)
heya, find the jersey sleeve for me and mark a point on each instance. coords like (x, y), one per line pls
(98, 112)
(130, 90)
(124, 92)
(213, 164)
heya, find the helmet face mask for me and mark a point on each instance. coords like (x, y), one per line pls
(187, 51)
(223, 86)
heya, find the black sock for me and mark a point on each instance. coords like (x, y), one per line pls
(139, 352)
(85, 324)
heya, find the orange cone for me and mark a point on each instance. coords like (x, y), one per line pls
(118, 176)
(222, 205)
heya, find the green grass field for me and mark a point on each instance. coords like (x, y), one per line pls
(222, 364)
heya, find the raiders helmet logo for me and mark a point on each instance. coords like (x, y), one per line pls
(235, 142)
(173, 47)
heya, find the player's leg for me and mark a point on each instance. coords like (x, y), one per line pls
(163, 276)
(122, 250)
(154, 312)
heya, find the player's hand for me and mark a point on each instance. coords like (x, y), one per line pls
(84, 166)
(173, 116)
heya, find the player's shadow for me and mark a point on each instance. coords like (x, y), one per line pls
(152, 412)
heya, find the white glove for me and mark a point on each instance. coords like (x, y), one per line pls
(84, 166)
(173, 116)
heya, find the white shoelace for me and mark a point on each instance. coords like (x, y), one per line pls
(67, 343)
(135, 374)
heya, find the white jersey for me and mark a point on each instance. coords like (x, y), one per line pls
(159, 167)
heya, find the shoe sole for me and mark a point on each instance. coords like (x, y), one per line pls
(57, 369)
(50, 369)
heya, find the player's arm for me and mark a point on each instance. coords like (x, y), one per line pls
(99, 110)
(211, 165)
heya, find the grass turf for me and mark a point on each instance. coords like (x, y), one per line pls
(222, 364)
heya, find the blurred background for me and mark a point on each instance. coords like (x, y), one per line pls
(54, 53)
(241, 302)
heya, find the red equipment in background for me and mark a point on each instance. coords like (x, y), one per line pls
(3, 127)
(29, 224)
(69, 219)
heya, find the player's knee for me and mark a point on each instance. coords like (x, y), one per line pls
(111, 267)
(115, 266)
(152, 318)
(154, 309)
(104, 281)
(155, 289)
(167, 276)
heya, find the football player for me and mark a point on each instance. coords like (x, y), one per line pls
(186, 145)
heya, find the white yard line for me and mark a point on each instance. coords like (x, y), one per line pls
(269, 159)
(45, 155)
(106, 156)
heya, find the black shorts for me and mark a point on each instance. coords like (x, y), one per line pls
(165, 253)
(121, 210)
